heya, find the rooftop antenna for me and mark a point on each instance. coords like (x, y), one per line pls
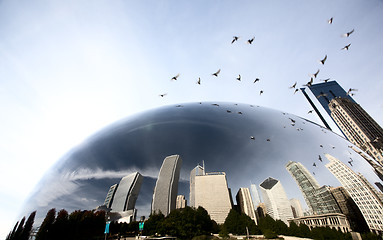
(203, 167)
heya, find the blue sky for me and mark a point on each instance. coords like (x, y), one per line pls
(68, 69)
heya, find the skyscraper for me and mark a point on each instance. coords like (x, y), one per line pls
(127, 192)
(197, 171)
(165, 191)
(212, 193)
(276, 201)
(181, 202)
(318, 199)
(245, 203)
(358, 126)
(254, 195)
(361, 191)
(296, 207)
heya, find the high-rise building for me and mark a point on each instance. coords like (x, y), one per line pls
(361, 191)
(197, 171)
(377, 168)
(255, 195)
(127, 192)
(350, 209)
(245, 203)
(110, 195)
(318, 199)
(276, 201)
(296, 207)
(166, 189)
(358, 126)
(181, 202)
(212, 193)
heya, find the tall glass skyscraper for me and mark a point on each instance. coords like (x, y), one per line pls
(255, 195)
(166, 189)
(127, 192)
(245, 203)
(197, 171)
(276, 201)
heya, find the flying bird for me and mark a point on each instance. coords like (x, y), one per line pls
(260, 92)
(351, 90)
(252, 138)
(292, 120)
(311, 111)
(313, 173)
(293, 86)
(350, 162)
(215, 104)
(314, 165)
(346, 47)
(163, 95)
(308, 84)
(199, 81)
(315, 74)
(321, 146)
(179, 106)
(296, 90)
(228, 111)
(250, 41)
(325, 80)
(268, 140)
(320, 158)
(235, 38)
(348, 34)
(330, 20)
(239, 112)
(216, 73)
(256, 80)
(175, 77)
(323, 60)
(239, 77)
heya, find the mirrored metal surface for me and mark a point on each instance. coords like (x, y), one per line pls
(251, 144)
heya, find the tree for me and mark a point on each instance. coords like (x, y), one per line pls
(28, 226)
(43, 233)
(236, 223)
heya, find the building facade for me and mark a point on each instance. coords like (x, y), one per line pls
(318, 199)
(255, 195)
(166, 189)
(212, 193)
(181, 202)
(358, 126)
(245, 203)
(361, 191)
(110, 196)
(276, 201)
(197, 171)
(332, 220)
(127, 192)
(296, 207)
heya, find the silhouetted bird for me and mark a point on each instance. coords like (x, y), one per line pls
(311, 111)
(239, 112)
(323, 60)
(239, 77)
(313, 173)
(293, 86)
(179, 106)
(228, 111)
(256, 80)
(346, 47)
(253, 138)
(325, 80)
(235, 38)
(315, 74)
(314, 165)
(309, 83)
(175, 77)
(330, 20)
(292, 120)
(216, 73)
(260, 92)
(250, 41)
(215, 104)
(296, 90)
(320, 158)
(351, 90)
(350, 162)
(348, 34)
(163, 95)
(199, 81)
(268, 140)
(321, 146)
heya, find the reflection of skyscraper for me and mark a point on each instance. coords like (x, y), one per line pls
(358, 126)
(110, 195)
(318, 199)
(165, 191)
(212, 193)
(296, 207)
(127, 192)
(361, 191)
(245, 203)
(276, 201)
(181, 202)
(197, 171)
(349, 208)
(254, 195)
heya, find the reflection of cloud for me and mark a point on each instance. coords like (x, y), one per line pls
(67, 184)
